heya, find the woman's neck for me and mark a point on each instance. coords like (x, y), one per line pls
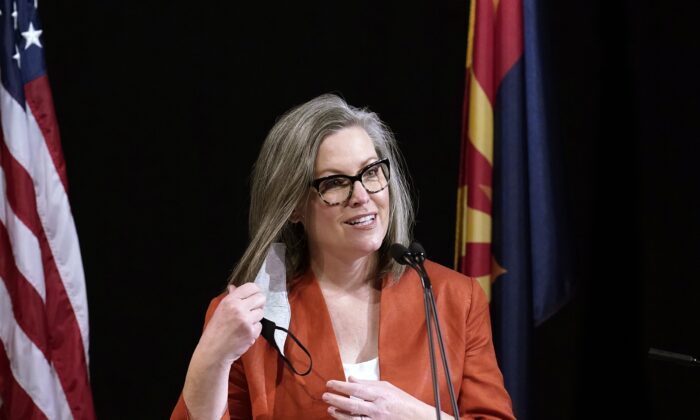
(343, 274)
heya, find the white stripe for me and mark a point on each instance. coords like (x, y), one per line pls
(26, 143)
(23, 243)
(29, 366)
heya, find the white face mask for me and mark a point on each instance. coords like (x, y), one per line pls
(272, 281)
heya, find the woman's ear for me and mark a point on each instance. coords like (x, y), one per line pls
(299, 212)
(296, 217)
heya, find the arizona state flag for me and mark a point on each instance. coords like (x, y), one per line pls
(509, 232)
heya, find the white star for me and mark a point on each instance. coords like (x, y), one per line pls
(32, 36)
(17, 57)
(14, 13)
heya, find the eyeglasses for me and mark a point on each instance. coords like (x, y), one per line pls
(336, 189)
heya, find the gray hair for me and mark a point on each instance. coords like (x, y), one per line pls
(283, 173)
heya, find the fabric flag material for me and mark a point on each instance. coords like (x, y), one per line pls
(510, 234)
(43, 304)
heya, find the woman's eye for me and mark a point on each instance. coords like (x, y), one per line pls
(334, 183)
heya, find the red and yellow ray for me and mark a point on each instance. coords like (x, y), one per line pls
(493, 47)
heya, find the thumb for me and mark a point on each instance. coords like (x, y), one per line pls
(231, 288)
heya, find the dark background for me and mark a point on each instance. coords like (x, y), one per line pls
(163, 106)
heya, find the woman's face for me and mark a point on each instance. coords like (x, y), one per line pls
(357, 227)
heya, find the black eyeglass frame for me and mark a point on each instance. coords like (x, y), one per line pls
(316, 183)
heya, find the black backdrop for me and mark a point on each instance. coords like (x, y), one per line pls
(163, 106)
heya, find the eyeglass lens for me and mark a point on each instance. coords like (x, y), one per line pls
(374, 178)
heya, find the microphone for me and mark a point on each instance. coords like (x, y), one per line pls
(414, 256)
(417, 251)
(400, 254)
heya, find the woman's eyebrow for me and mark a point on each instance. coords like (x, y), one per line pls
(332, 171)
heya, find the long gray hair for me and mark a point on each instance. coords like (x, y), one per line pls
(283, 173)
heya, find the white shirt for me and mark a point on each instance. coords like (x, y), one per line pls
(364, 370)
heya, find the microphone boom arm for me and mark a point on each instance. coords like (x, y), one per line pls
(415, 257)
(430, 300)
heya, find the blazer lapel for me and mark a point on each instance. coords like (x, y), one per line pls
(403, 350)
(312, 325)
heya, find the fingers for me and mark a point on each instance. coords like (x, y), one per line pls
(257, 329)
(249, 295)
(361, 381)
(256, 315)
(249, 302)
(253, 320)
(245, 290)
(346, 404)
(337, 414)
(256, 301)
(353, 389)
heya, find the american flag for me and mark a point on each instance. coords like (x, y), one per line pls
(43, 304)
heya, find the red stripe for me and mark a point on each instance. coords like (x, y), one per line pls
(477, 261)
(508, 43)
(27, 305)
(16, 403)
(483, 44)
(465, 133)
(66, 349)
(20, 189)
(38, 96)
(480, 173)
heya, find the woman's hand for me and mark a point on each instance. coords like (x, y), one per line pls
(231, 331)
(373, 400)
(235, 325)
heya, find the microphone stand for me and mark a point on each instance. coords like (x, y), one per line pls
(415, 259)
(427, 292)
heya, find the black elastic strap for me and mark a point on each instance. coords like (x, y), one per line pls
(268, 333)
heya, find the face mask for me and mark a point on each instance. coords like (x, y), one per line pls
(268, 332)
(272, 280)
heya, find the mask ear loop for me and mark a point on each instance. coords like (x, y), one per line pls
(268, 332)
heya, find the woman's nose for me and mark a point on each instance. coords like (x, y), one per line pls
(359, 195)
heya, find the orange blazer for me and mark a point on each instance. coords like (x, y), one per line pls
(261, 386)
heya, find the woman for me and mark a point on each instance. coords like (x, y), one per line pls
(329, 184)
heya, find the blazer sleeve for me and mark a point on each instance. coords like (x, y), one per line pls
(482, 395)
(238, 397)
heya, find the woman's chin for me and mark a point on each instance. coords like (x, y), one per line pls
(365, 247)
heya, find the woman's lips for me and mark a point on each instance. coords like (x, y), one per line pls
(362, 220)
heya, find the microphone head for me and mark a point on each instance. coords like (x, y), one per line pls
(418, 251)
(399, 253)
(417, 248)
